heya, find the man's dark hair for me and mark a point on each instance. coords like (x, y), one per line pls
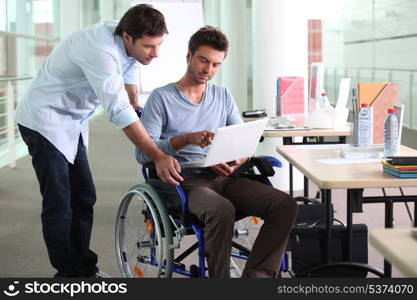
(208, 36)
(140, 20)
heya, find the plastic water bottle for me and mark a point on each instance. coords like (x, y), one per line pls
(323, 101)
(391, 141)
(365, 126)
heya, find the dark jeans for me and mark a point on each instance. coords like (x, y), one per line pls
(68, 195)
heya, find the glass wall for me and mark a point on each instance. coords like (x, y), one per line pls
(29, 30)
(366, 40)
(373, 40)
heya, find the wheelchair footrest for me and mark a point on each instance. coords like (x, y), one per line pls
(194, 271)
(179, 266)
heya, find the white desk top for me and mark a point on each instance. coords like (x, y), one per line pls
(342, 176)
(398, 246)
(298, 121)
(312, 132)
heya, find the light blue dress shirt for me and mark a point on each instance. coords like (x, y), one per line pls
(86, 69)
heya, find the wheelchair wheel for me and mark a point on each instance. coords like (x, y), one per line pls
(143, 235)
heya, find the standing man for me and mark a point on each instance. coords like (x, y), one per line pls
(95, 66)
(180, 117)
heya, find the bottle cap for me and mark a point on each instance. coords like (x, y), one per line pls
(364, 105)
(391, 110)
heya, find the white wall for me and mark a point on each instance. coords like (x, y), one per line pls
(183, 19)
(70, 17)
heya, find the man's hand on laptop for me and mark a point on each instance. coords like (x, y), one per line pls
(228, 168)
(168, 169)
(201, 138)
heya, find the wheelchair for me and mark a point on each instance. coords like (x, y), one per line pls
(153, 219)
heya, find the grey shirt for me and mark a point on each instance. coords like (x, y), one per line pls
(169, 113)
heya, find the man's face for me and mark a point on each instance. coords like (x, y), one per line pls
(144, 49)
(204, 63)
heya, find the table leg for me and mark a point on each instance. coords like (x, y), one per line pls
(291, 182)
(349, 215)
(326, 198)
(415, 213)
(389, 223)
(306, 187)
(286, 140)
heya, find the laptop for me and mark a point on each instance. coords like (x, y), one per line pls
(231, 143)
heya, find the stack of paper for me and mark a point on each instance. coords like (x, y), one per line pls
(359, 152)
(400, 171)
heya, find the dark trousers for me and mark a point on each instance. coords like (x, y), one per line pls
(68, 197)
(217, 200)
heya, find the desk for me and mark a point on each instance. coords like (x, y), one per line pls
(315, 134)
(398, 246)
(353, 177)
(312, 136)
(299, 121)
(342, 132)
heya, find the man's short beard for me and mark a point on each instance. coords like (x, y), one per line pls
(143, 61)
(195, 77)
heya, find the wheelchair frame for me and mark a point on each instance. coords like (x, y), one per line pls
(175, 228)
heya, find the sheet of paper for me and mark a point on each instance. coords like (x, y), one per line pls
(325, 147)
(287, 129)
(343, 93)
(348, 161)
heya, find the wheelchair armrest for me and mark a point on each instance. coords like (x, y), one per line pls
(264, 164)
(149, 170)
(149, 165)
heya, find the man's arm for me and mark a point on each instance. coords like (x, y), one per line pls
(167, 167)
(132, 92)
(201, 139)
(229, 168)
(102, 73)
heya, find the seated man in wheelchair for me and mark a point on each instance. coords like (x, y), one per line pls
(180, 117)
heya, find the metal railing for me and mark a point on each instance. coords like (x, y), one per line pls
(406, 78)
(10, 138)
(29, 36)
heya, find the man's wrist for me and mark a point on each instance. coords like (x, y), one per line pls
(158, 155)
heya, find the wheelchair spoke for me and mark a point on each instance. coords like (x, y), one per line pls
(140, 241)
(246, 231)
